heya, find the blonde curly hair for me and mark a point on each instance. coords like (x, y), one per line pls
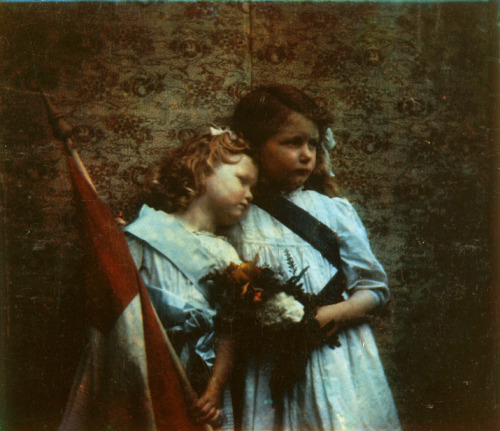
(179, 178)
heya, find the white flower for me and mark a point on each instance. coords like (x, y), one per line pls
(279, 309)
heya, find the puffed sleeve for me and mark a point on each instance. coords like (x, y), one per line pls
(361, 267)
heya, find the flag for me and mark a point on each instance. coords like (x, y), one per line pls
(127, 378)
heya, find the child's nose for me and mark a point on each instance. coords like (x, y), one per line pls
(249, 195)
(306, 153)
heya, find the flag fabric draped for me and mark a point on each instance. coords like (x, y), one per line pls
(126, 379)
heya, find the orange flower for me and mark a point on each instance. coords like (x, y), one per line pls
(257, 297)
(241, 273)
(245, 271)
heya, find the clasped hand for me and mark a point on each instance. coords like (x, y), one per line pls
(206, 409)
(327, 322)
(355, 310)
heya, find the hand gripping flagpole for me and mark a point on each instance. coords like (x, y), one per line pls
(63, 131)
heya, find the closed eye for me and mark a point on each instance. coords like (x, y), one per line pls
(245, 180)
(248, 181)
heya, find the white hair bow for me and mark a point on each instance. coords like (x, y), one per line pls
(328, 145)
(216, 131)
(329, 140)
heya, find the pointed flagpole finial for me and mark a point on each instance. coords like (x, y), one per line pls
(61, 129)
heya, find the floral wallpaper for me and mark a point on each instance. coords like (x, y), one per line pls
(410, 87)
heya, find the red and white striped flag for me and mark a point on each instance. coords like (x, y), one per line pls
(127, 379)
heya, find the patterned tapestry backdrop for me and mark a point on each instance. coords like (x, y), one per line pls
(410, 88)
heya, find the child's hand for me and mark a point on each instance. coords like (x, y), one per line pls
(206, 409)
(325, 316)
(335, 317)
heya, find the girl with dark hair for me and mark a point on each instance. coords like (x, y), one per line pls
(200, 187)
(297, 223)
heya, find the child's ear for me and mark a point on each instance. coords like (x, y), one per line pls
(204, 174)
(202, 180)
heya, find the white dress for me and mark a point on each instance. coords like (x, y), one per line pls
(343, 388)
(171, 260)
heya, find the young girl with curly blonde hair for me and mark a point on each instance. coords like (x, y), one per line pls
(199, 187)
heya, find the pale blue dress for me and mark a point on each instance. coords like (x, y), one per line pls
(171, 260)
(344, 389)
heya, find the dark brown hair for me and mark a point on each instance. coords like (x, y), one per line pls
(179, 178)
(261, 113)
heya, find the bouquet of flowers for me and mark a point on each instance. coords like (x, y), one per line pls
(270, 313)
